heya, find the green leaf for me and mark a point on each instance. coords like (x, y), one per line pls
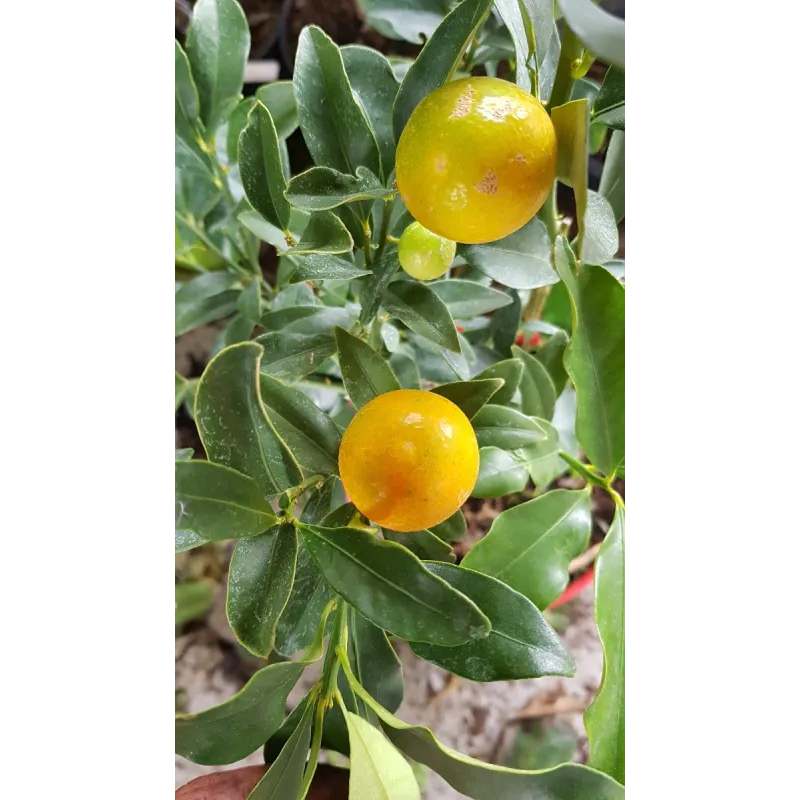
(391, 587)
(325, 233)
(424, 544)
(452, 529)
(307, 430)
(505, 323)
(529, 546)
(520, 645)
(184, 453)
(285, 775)
(595, 358)
(291, 356)
(236, 124)
(193, 600)
(510, 371)
(470, 396)
(612, 181)
(232, 730)
(233, 424)
(260, 581)
(323, 266)
(187, 540)
(410, 20)
(375, 88)
(439, 59)
(465, 299)
(551, 357)
(536, 386)
(278, 98)
(334, 127)
(571, 122)
(216, 502)
(364, 373)
(308, 319)
(605, 717)
(181, 388)
(505, 428)
(204, 299)
(483, 781)
(237, 330)
(520, 260)
(499, 474)
(187, 104)
(250, 301)
(601, 33)
(383, 270)
(284, 318)
(406, 370)
(374, 661)
(260, 168)
(321, 188)
(418, 307)
(609, 105)
(541, 459)
(217, 44)
(377, 770)
(600, 235)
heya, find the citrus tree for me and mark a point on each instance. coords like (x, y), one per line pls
(355, 401)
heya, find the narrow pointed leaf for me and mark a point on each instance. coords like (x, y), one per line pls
(537, 388)
(187, 104)
(260, 581)
(505, 428)
(278, 97)
(323, 266)
(392, 588)
(290, 356)
(612, 181)
(600, 235)
(602, 33)
(551, 357)
(595, 358)
(541, 458)
(420, 308)
(425, 545)
(510, 371)
(505, 323)
(529, 546)
(521, 644)
(383, 270)
(325, 233)
(232, 730)
(233, 424)
(470, 396)
(204, 299)
(364, 372)
(609, 105)
(236, 124)
(321, 188)
(465, 299)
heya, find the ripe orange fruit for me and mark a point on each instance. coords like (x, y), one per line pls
(476, 160)
(409, 459)
(424, 255)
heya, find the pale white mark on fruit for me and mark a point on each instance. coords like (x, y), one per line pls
(495, 109)
(519, 158)
(457, 197)
(440, 164)
(446, 428)
(489, 184)
(412, 418)
(464, 103)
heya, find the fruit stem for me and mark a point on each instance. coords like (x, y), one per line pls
(383, 238)
(367, 243)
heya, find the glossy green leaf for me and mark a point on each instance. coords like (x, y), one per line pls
(439, 59)
(308, 319)
(601, 33)
(197, 192)
(418, 307)
(364, 373)
(595, 358)
(571, 122)
(323, 266)
(232, 730)
(612, 181)
(537, 388)
(520, 645)
(187, 540)
(187, 104)
(483, 781)
(406, 370)
(374, 661)
(505, 323)
(529, 546)
(204, 299)
(249, 302)
(217, 44)
(260, 168)
(510, 371)
(499, 474)
(216, 502)
(424, 544)
(285, 775)
(520, 260)
(605, 718)
(383, 270)
(470, 396)
(325, 233)
(278, 97)
(239, 329)
(184, 453)
(236, 124)
(452, 529)
(321, 188)
(307, 430)
(377, 770)
(392, 588)
(290, 356)
(600, 235)
(505, 428)
(465, 299)
(233, 424)
(375, 88)
(260, 581)
(541, 459)
(193, 600)
(284, 318)
(334, 127)
(609, 106)
(551, 356)
(410, 20)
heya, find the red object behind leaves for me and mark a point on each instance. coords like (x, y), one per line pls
(574, 588)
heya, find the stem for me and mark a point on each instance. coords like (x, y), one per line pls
(383, 239)
(316, 743)
(535, 306)
(367, 243)
(592, 477)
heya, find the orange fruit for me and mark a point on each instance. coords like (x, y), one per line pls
(424, 255)
(409, 459)
(476, 160)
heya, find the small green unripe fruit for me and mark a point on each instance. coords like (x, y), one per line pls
(424, 255)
